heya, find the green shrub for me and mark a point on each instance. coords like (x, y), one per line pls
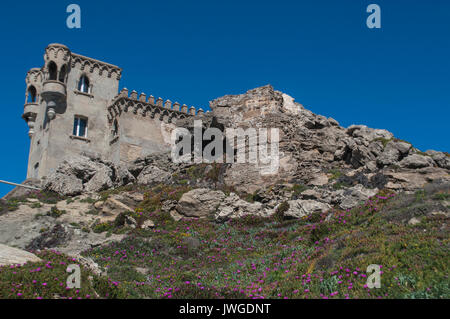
(281, 209)
(102, 227)
(335, 174)
(55, 212)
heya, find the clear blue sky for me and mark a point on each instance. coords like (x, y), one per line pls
(320, 52)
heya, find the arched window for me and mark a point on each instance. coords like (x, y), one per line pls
(62, 74)
(31, 96)
(52, 70)
(83, 84)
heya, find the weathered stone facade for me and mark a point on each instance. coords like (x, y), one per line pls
(72, 90)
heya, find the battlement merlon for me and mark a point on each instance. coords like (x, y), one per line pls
(139, 104)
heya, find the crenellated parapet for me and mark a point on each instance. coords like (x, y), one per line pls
(92, 65)
(139, 104)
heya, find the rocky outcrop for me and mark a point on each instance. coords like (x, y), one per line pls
(310, 145)
(15, 256)
(393, 152)
(344, 166)
(79, 174)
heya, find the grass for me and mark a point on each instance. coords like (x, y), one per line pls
(47, 280)
(324, 255)
(321, 256)
(13, 204)
(383, 140)
(340, 185)
(88, 200)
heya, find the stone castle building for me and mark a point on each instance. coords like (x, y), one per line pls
(73, 106)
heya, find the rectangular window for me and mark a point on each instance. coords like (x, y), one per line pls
(80, 126)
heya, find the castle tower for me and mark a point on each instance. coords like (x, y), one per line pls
(66, 108)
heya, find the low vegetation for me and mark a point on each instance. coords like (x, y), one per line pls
(320, 256)
(47, 280)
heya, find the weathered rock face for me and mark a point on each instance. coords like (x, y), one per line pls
(64, 184)
(239, 108)
(78, 174)
(310, 145)
(14, 256)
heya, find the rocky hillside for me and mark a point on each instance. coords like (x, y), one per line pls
(342, 199)
(322, 164)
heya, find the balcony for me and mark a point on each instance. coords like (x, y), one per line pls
(53, 90)
(30, 110)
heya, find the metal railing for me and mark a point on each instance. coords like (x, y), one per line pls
(20, 185)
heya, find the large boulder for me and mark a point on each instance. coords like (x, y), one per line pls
(358, 152)
(78, 174)
(113, 207)
(300, 208)
(80, 166)
(367, 133)
(354, 196)
(413, 179)
(389, 156)
(234, 207)
(15, 256)
(200, 203)
(100, 181)
(417, 161)
(152, 174)
(64, 184)
(441, 159)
